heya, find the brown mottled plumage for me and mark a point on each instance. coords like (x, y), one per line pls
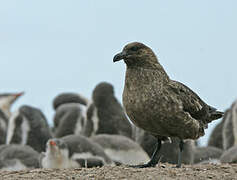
(159, 105)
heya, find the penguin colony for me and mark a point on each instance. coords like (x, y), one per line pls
(100, 131)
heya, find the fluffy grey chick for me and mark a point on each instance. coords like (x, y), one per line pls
(28, 126)
(216, 139)
(73, 151)
(159, 105)
(65, 98)
(229, 156)
(18, 157)
(207, 154)
(229, 132)
(121, 149)
(105, 115)
(70, 116)
(3, 127)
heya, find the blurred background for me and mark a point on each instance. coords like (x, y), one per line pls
(50, 47)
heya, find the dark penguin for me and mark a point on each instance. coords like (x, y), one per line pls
(159, 105)
(6, 101)
(18, 157)
(121, 149)
(105, 115)
(70, 116)
(207, 154)
(28, 126)
(73, 151)
(229, 132)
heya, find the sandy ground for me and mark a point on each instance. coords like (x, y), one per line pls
(162, 171)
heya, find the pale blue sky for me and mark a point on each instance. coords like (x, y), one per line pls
(49, 47)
